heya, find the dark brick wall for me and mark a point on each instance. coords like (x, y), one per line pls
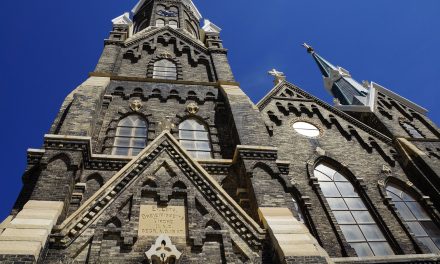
(17, 259)
(346, 144)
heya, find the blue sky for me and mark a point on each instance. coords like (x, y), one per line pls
(48, 48)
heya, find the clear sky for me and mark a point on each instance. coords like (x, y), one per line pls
(48, 47)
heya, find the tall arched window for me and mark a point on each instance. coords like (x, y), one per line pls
(172, 23)
(190, 28)
(411, 130)
(160, 23)
(358, 226)
(194, 137)
(417, 219)
(165, 69)
(131, 136)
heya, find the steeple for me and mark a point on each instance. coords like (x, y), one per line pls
(339, 82)
(177, 14)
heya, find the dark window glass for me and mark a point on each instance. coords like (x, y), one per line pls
(412, 131)
(131, 136)
(165, 69)
(418, 221)
(356, 223)
(194, 137)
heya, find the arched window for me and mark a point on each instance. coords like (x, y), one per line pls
(298, 210)
(131, 136)
(358, 226)
(194, 137)
(172, 23)
(165, 69)
(411, 130)
(190, 28)
(160, 23)
(417, 219)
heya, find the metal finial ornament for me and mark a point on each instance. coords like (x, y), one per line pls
(308, 47)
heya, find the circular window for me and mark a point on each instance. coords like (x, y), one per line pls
(306, 129)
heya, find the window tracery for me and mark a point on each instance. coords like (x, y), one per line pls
(194, 137)
(353, 217)
(415, 217)
(165, 69)
(131, 136)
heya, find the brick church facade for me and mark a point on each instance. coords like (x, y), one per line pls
(160, 157)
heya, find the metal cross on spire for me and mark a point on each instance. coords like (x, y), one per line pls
(279, 76)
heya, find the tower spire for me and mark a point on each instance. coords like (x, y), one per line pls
(339, 82)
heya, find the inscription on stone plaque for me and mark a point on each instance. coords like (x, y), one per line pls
(156, 220)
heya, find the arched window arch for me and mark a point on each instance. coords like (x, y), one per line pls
(172, 23)
(190, 28)
(415, 217)
(131, 136)
(165, 69)
(160, 23)
(298, 210)
(356, 222)
(194, 137)
(411, 130)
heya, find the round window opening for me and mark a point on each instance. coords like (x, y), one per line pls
(306, 129)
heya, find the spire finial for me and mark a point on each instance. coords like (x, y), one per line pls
(279, 76)
(308, 47)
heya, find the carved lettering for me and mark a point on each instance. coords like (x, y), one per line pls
(169, 220)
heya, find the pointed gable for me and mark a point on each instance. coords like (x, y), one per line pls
(165, 147)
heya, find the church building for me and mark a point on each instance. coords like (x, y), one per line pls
(160, 157)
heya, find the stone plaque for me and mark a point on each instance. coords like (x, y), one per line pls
(156, 220)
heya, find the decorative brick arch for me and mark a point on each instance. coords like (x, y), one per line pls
(322, 157)
(423, 200)
(165, 56)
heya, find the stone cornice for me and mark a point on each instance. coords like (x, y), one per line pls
(139, 79)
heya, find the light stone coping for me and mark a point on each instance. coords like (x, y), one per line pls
(390, 259)
(303, 250)
(28, 232)
(45, 205)
(20, 248)
(38, 214)
(288, 229)
(281, 221)
(30, 235)
(290, 237)
(214, 161)
(411, 147)
(107, 187)
(5, 223)
(31, 224)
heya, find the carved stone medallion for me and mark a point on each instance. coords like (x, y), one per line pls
(192, 108)
(136, 105)
(163, 251)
